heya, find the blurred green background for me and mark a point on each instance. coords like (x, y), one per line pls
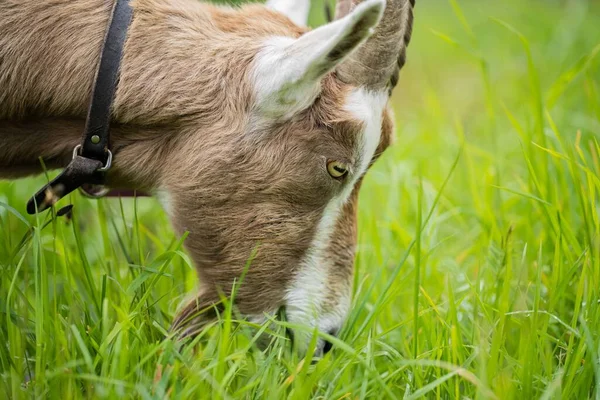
(478, 271)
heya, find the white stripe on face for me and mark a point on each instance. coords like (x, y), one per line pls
(368, 107)
(305, 298)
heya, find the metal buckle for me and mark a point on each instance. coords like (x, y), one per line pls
(101, 169)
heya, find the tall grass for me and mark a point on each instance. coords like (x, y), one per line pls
(478, 269)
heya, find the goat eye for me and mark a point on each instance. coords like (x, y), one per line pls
(337, 169)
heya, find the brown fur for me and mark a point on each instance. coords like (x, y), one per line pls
(181, 116)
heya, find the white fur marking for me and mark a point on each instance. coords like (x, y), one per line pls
(164, 198)
(296, 10)
(305, 297)
(367, 106)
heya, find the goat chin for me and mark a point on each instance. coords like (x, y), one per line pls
(197, 316)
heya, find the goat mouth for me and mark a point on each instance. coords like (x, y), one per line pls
(282, 316)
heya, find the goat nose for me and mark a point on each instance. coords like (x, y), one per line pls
(328, 345)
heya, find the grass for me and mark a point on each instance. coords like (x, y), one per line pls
(478, 270)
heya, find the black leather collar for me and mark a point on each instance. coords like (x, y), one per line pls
(92, 158)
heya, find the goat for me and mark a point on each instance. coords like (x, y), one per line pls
(253, 131)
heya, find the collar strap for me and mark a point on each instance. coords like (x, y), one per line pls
(92, 158)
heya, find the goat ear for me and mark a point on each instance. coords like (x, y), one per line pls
(288, 71)
(296, 10)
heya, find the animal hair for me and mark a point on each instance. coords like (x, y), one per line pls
(185, 123)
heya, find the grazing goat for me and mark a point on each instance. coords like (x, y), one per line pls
(252, 130)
